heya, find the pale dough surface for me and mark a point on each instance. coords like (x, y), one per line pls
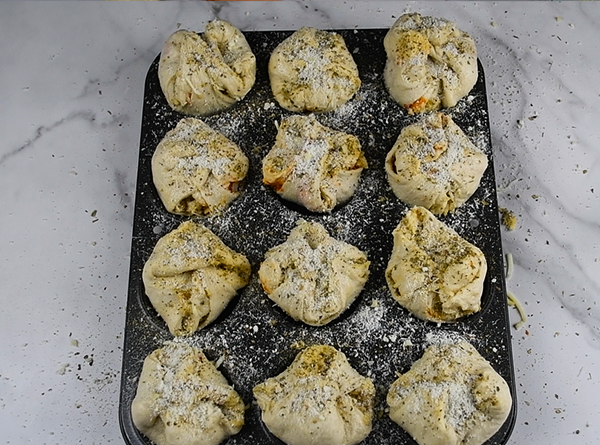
(312, 276)
(183, 399)
(313, 70)
(319, 399)
(313, 165)
(191, 276)
(434, 164)
(431, 64)
(450, 396)
(197, 170)
(203, 74)
(433, 272)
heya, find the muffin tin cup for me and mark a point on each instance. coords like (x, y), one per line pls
(254, 339)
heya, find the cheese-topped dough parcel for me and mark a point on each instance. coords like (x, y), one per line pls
(203, 74)
(431, 64)
(312, 276)
(434, 164)
(191, 276)
(196, 169)
(319, 399)
(182, 399)
(313, 70)
(313, 165)
(433, 272)
(450, 396)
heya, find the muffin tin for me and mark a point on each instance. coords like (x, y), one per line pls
(254, 339)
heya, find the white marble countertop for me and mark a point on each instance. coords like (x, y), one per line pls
(71, 87)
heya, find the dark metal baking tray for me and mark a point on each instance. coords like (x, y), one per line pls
(255, 339)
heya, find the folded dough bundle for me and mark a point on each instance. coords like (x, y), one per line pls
(312, 70)
(196, 169)
(318, 400)
(202, 74)
(312, 276)
(313, 165)
(431, 64)
(191, 276)
(182, 399)
(433, 272)
(434, 164)
(450, 396)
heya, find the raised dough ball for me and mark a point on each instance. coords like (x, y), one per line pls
(312, 276)
(197, 170)
(434, 164)
(312, 70)
(191, 276)
(450, 396)
(318, 400)
(313, 165)
(182, 399)
(433, 272)
(203, 74)
(430, 63)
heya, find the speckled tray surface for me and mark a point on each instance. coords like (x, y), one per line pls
(254, 338)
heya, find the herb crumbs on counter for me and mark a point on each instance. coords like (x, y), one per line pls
(509, 219)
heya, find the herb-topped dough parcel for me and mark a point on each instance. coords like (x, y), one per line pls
(433, 272)
(431, 64)
(182, 399)
(312, 276)
(313, 165)
(450, 396)
(318, 400)
(434, 164)
(313, 70)
(191, 276)
(197, 170)
(203, 74)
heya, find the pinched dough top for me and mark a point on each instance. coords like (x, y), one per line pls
(434, 164)
(433, 272)
(182, 399)
(319, 399)
(312, 276)
(202, 74)
(450, 396)
(313, 70)
(431, 64)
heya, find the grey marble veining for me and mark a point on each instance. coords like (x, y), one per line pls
(71, 87)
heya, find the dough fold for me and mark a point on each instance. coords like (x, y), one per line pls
(313, 165)
(433, 272)
(312, 276)
(182, 399)
(431, 64)
(312, 70)
(197, 170)
(433, 164)
(450, 396)
(319, 399)
(191, 276)
(203, 74)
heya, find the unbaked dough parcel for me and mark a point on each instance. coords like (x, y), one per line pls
(196, 169)
(319, 399)
(434, 164)
(313, 165)
(450, 396)
(203, 74)
(313, 70)
(183, 399)
(191, 276)
(433, 272)
(431, 64)
(312, 276)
